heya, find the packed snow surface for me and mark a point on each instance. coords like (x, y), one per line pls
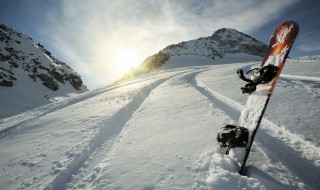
(158, 131)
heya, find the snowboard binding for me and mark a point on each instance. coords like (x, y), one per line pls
(233, 136)
(261, 75)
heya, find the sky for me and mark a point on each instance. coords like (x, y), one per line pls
(101, 39)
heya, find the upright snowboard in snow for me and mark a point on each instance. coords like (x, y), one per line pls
(238, 139)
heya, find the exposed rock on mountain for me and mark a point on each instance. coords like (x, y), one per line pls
(30, 76)
(19, 55)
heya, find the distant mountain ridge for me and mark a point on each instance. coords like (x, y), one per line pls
(223, 41)
(30, 76)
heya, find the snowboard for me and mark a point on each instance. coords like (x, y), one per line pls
(251, 116)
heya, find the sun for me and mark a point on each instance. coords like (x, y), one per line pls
(126, 60)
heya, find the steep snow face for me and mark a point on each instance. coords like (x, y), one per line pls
(30, 75)
(224, 42)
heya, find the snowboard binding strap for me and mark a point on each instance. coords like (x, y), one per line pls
(233, 136)
(261, 75)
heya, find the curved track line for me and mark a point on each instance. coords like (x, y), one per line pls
(9, 125)
(13, 123)
(302, 78)
(103, 152)
(310, 84)
(113, 126)
(108, 133)
(227, 105)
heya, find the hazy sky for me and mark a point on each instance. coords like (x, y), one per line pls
(100, 39)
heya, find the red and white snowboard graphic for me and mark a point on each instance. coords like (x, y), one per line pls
(277, 52)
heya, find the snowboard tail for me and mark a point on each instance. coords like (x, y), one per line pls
(260, 92)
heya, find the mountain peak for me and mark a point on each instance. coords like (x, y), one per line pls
(223, 42)
(232, 34)
(225, 31)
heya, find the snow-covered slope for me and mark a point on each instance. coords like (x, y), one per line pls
(158, 131)
(30, 76)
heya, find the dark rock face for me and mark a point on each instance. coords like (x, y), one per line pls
(232, 41)
(48, 82)
(19, 53)
(75, 81)
(223, 41)
(6, 77)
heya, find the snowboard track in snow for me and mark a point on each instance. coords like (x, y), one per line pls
(110, 131)
(112, 128)
(310, 84)
(230, 110)
(270, 165)
(18, 122)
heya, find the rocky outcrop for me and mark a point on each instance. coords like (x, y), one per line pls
(20, 56)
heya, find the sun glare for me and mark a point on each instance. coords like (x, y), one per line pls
(126, 60)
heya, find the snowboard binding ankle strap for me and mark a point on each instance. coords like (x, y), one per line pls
(261, 75)
(233, 136)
